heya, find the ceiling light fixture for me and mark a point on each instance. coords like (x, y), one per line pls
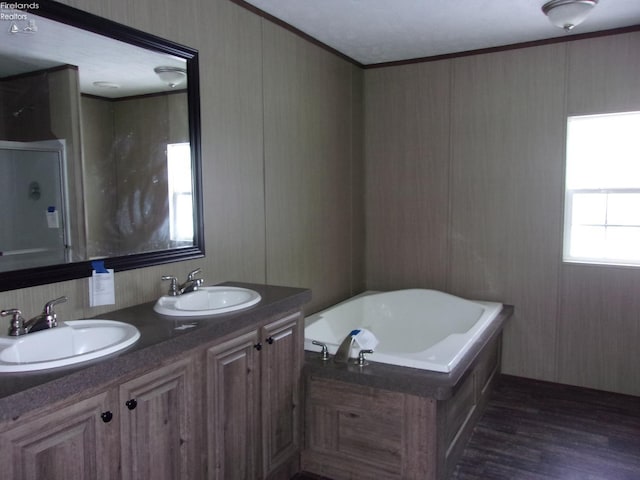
(109, 85)
(172, 76)
(567, 14)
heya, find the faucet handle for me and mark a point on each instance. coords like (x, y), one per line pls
(49, 314)
(324, 354)
(362, 361)
(17, 322)
(173, 286)
(192, 275)
(48, 307)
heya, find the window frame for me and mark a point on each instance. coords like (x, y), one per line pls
(568, 225)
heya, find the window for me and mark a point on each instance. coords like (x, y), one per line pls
(180, 193)
(602, 202)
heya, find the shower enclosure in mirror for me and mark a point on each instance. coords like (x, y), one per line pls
(34, 196)
(120, 109)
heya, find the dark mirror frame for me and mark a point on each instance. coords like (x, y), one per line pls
(16, 279)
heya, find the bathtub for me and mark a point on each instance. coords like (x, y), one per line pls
(425, 329)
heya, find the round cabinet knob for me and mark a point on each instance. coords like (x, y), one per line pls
(258, 346)
(106, 416)
(131, 404)
(270, 340)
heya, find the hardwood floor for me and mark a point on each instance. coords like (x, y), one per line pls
(536, 430)
(542, 431)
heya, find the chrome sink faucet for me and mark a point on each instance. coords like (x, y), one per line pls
(47, 319)
(190, 285)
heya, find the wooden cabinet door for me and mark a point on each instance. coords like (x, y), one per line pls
(158, 428)
(70, 443)
(232, 407)
(281, 366)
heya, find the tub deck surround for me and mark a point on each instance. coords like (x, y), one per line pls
(393, 422)
(161, 338)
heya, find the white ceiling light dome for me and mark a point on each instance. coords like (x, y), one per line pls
(567, 14)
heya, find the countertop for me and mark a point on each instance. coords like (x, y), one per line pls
(413, 381)
(161, 337)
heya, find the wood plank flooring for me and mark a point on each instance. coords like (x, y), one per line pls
(536, 430)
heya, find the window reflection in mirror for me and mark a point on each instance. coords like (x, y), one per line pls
(180, 192)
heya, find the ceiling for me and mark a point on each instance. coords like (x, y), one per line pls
(367, 31)
(40, 43)
(379, 31)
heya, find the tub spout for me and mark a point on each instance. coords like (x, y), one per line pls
(344, 350)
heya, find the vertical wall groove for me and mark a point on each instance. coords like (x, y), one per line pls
(264, 161)
(450, 197)
(561, 199)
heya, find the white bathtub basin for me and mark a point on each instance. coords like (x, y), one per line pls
(69, 343)
(207, 301)
(418, 328)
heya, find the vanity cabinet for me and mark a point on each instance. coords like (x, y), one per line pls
(71, 443)
(281, 383)
(253, 400)
(143, 428)
(159, 435)
(219, 402)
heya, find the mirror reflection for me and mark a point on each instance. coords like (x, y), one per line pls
(96, 155)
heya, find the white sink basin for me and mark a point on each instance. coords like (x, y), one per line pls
(70, 342)
(207, 301)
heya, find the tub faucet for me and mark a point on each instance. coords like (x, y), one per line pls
(362, 360)
(344, 350)
(324, 353)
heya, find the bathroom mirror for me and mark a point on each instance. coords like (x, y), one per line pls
(99, 146)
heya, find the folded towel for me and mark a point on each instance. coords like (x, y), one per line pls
(365, 339)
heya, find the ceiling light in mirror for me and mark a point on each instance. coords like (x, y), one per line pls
(172, 76)
(111, 85)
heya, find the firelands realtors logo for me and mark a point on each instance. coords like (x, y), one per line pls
(17, 14)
